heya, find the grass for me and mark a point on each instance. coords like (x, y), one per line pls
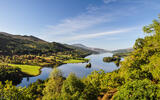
(75, 61)
(28, 69)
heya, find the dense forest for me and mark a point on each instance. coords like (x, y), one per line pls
(137, 79)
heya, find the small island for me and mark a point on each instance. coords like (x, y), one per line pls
(114, 59)
(88, 65)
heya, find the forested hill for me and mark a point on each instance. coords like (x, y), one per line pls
(25, 37)
(17, 44)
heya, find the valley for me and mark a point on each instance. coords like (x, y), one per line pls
(33, 69)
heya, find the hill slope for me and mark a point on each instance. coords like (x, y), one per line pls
(17, 44)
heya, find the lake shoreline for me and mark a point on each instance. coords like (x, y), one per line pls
(78, 68)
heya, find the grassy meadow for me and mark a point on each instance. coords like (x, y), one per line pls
(28, 69)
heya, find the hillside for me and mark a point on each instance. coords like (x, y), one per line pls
(17, 44)
(25, 37)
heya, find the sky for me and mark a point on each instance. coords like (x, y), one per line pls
(108, 24)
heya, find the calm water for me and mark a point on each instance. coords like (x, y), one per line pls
(79, 69)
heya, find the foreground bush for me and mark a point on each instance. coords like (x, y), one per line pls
(10, 92)
(138, 90)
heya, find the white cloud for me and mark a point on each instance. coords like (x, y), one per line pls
(95, 35)
(78, 23)
(94, 15)
(108, 1)
(70, 28)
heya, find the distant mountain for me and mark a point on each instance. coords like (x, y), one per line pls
(80, 48)
(98, 50)
(18, 44)
(123, 50)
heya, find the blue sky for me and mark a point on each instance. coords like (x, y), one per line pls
(108, 24)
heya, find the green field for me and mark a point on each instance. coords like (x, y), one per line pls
(28, 69)
(75, 61)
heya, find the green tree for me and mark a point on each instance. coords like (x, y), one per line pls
(52, 90)
(93, 85)
(10, 92)
(72, 88)
(138, 90)
(139, 43)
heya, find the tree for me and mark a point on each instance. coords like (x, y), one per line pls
(72, 88)
(139, 43)
(93, 85)
(153, 28)
(53, 87)
(10, 92)
(138, 90)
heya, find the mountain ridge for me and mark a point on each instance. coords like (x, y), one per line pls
(25, 37)
(99, 50)
(123, 50)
